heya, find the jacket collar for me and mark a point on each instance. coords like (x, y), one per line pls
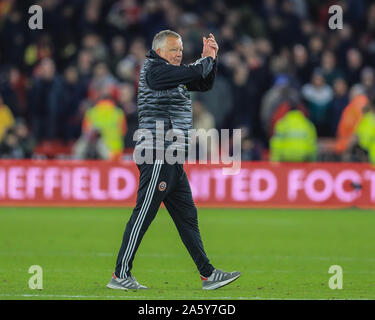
(151, 54)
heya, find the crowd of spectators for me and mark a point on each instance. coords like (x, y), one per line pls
(274, 56)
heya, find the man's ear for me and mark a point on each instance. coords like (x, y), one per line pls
(158, 51)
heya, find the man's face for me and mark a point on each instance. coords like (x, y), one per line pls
(172, 51)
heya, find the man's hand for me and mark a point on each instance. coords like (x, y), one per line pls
(210, 47)
(212, 43)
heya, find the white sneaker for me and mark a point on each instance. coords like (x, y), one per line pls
(219, 279)
(128, 283)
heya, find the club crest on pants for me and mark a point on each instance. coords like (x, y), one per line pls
(162, 186)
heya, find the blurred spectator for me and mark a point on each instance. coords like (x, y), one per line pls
(10, 147)
(219, 100)
(289, 32)
(307, 28)
(91, 14)
(345, 43)
(153, 19)
(315, 47)
(126, 102)
(6, 119)
(9, 96)
(45, 101)
(26, 141)
(367, 79)
(117, 52)
(103, 131)
(300, 8)
(329, 68)
(294, 140)
(368, 39)
(124, 15)
(84, 65)
(227, 37)
(339, 102)
(302, 66)
(274, 98)
(264, 48)
(355, 91)
(18, 83)
(250, 151)
(39, 50)
(202, 119)
(354, 66)
(102, 80)
(74, 91)
(91, 146)
(365, 132)
(282, 108)
(14, 36)
(354, 10)
(244, 91)
(93, 43)
(172, 13)
(128, 69)
(350, 118)
(318, 96)
(281, 64)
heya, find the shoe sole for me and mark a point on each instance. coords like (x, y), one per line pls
(221, 284)
(111, 286)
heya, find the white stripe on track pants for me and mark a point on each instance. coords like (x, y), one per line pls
(162, 182)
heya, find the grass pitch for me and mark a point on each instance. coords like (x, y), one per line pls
(282, 254)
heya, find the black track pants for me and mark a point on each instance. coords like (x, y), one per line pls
(162, 182)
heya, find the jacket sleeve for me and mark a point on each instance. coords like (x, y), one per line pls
(164, 76)
(203, 83)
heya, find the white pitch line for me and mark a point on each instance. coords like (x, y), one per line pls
(121, 297)
(67, 296)
(248, 271)
(159, 298)
(166, 255)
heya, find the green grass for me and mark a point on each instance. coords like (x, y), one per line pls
(283, 254)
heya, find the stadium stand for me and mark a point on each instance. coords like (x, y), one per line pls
(272, 54)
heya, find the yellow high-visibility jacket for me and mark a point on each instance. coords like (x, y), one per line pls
(294, 139)
(366, 134)
(110, 121)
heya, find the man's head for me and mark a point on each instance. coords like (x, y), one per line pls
(168, 45)
(47, 69)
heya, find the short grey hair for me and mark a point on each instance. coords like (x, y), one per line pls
(161, 37)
